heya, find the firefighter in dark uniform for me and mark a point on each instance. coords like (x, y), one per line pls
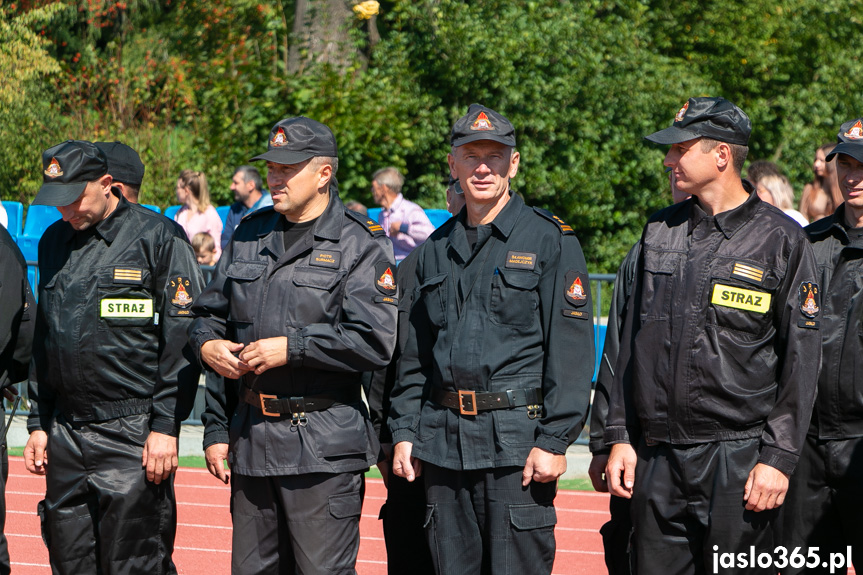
(716, 375)
(494, 383)
(17, 319)
(303, 300)
(824, 502)
(112, 375)
(615, 533)
(403, 513)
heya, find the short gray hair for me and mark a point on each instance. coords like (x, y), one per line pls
(391, 178)
(251, 174)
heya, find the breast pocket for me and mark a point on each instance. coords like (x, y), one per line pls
(659, 268)
(322, 298)
(742, 308)
(246, 291)
(125, 299)
(432, 294)
(513, 298)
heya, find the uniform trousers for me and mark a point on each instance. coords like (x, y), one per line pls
(483, 522)
(100, 514)
(824, 505)
(296, 524)
(403, 516)
(616, 537)
(688, 499)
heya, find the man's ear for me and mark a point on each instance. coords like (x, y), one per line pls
(105, 182)
(325, 174)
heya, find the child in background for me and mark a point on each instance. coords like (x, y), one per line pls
(205, 249)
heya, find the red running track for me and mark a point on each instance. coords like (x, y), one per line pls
(203, 545)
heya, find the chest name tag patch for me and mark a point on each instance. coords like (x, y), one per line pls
(521, 260)
(739, 298)
(123, 307)
(325, 259)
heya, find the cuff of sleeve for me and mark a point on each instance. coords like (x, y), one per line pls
(552, 444)
(215, 436)
(198, 340)
(296, 348)
(778, 458)
(400, 435)
(166, 425)
(34, 423)
(403, 228)
(598, 446)
(616, 435)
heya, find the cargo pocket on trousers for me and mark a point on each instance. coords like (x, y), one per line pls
(531, 537)
(345, 506)
(40, 511)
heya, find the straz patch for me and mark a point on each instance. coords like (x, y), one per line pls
(809, 299)
(123, 307)
(739, 298)
(385, 278)
(54, 170)
(748, 273)
(521, 260)
(181, 298)
(325, 259)
(576, 292)
(279, 139)
(482, 123)
(128, 276)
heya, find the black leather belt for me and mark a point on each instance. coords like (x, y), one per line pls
(471, 402)
(298, 406)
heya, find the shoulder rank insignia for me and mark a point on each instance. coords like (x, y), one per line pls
(369, 224)
(748, 273)
(564, 228)
(181, 297)
(385, 278)
(575, 292)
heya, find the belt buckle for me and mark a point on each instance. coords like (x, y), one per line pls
(298, 412)
(470, 396)
(264, 398)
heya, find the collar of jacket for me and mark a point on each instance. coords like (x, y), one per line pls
(328, 226)
(834, 225)
(503, 223)
(732, 220)
(107, 228)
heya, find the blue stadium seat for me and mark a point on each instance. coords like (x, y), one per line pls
(223, 213)
(438, 217)
(374, 213)
(38, 219)
(15, 211)
(156, 209)
(170, 211)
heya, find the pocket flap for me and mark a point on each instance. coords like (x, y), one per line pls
(314, 277)
(433, 281)
(526, 517)
(658, 262)
(246, 271)
(343, 506)
(519, 279)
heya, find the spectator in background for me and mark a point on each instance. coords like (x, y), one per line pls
(249, 195)
(782, 195)
(205, 249)
(821, 196)
(357, 207)
(197, 214)
(126, 167)
(406, 224)
(760, 169)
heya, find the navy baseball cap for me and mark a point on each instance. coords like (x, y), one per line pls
(295, 140)
(850, 139)
(67, 168)
(481, 123)
(124, 163)
(714, 118)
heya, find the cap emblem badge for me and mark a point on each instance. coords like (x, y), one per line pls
(856, 131)
(482, 123)
(681, 112)
(279, 138)
(54, 170)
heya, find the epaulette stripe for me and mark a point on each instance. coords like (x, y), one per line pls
(564, 228)
(368, 224)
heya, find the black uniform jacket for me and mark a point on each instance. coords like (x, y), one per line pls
(513, 314)
(17, 313)
(623, 283)
(333, 296)
(721, 341)
(838, 410)
(114, 306)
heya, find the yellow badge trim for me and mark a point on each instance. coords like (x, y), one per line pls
(125, 307)
(738, 298)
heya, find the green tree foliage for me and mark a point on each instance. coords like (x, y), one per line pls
(197, 84)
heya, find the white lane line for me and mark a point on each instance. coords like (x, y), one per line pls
(41, 493)
(204, 550)
(579, 529)
(581, 511)
(24, 535)
(18, 564)
(204, 526)
(372, 561)
(581, 552)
